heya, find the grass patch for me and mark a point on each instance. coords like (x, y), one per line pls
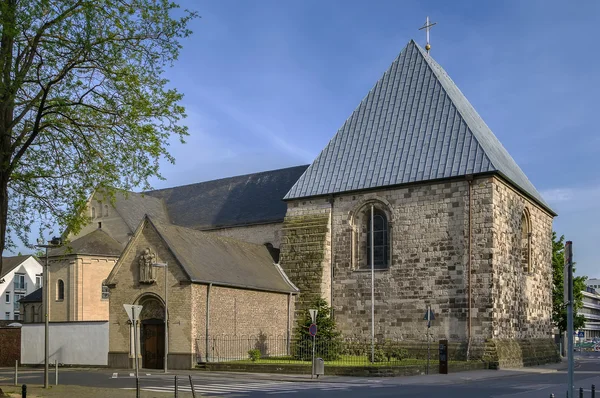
(344, 360)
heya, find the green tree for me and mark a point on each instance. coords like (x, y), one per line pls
(559, 311)
(328, 339)
(83, 104)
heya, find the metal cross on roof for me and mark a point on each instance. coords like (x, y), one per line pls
(427, 26)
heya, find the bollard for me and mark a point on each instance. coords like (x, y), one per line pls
(16, 372)
(55, 372)
(24, 391)
(192, 386)
(593, 391)
(580, 392)
(175, 386)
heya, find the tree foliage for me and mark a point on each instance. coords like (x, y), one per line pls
(83, 104)
(559, 311)
(328, 339)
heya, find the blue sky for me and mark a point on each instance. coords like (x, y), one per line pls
(268, 83)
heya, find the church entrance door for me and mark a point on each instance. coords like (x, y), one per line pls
(153, 343)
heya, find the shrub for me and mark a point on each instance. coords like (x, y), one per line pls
(254, 355)
(379, 355)
(328, 344)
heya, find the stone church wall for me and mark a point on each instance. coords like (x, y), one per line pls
(523, 302)
(128, 290)
(428, 226)
(306, 249)
(239, 320)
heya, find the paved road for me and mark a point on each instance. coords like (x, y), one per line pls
(530, 383)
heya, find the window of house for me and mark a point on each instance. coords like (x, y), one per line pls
(7, 316)
(7, 297)
(19, 282)
(17, 317)
(526, 242)
(60, 290)
(93, 212)
(105, 210)
(38, 282)
(18, 296)
(105, 292)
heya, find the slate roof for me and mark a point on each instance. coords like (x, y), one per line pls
(133, 206)
(414, 125)
(97, 242)
(34, 297)
(209, 258)
(240, 200)
(10, 263)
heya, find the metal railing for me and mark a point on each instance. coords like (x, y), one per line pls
(336, 352)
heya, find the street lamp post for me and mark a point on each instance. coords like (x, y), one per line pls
(165, 266)
(55, 242)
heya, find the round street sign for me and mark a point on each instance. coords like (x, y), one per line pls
(312, 329)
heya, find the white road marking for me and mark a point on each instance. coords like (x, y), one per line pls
(115, 375)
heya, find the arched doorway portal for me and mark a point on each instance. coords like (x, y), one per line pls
(152, 332)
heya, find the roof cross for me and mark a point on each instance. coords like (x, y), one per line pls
(427, 26)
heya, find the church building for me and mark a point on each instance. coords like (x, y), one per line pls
(414, 192)
(416, 185)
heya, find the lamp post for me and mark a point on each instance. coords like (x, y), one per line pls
(165, 266)
(55, 242)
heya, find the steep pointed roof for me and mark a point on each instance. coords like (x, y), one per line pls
(414, 125)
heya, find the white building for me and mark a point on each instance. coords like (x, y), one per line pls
(21, 275)
(591, 309)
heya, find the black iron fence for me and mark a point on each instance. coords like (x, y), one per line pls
(341, 351)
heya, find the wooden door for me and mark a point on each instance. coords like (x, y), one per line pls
(153, 345)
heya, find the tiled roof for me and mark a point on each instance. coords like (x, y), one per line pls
(210, 258)
(10, 263)
(97, 242)
(240, 200)
(35, 297)
(414, 125)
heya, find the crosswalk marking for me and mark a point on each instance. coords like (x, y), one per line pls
(267, 387)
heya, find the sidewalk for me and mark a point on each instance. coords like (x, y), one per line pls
(451, 378)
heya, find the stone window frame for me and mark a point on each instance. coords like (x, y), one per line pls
(525, 239)
(93, 212)
(105, 210)
(60, 290)
(358, 241)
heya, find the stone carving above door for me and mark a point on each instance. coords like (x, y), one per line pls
(147, 271)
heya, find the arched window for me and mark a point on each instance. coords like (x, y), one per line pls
(93, 212)
(381, 242)
(60, 290)
(105, 210)
(526, 242)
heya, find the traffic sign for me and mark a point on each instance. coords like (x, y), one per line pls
(133, 311)
(581, 334)
(312, 330)
(313, 315)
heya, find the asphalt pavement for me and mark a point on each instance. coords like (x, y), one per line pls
(535, 382)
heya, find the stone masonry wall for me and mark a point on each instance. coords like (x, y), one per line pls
(239, 318)
(129, 291)
(429, 231)
(522, 300)
(306, 250)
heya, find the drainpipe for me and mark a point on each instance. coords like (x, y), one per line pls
(331, 254)
(207, 318)
(289, 323)
(470, 244)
